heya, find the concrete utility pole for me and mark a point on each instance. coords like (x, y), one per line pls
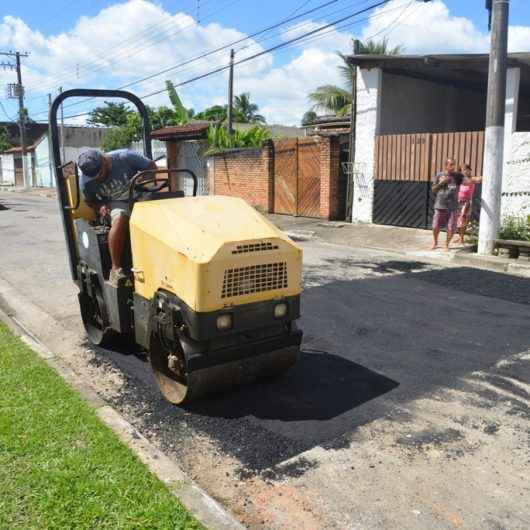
(494, 139)
(353, 134)
(231, 93)
(18, 93)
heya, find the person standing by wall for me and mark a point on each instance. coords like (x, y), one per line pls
(445, 185)
(465, 200)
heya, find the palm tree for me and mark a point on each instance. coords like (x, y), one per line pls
(245, 111)
(309, 118)
(337, 100)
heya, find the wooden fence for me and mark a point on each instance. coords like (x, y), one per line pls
(418, 157)
(297, 177)
(405, 165)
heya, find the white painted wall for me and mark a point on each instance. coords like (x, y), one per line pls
(516, 176)
(368, 125)
(516, 164)
(7, 167)
(43, 173)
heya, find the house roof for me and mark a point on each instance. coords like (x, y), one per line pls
(33, 131)
(194, 130)
(330, 125)
(468, 70)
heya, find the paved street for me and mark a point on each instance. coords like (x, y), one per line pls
(409, 407)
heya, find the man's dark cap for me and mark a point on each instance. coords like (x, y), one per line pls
(90, 162)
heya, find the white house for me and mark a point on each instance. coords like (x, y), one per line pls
(413, 112)
(75, 138)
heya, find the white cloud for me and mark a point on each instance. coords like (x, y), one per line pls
(136, 38)
(330, 39)
(122, 43)
(431, 28)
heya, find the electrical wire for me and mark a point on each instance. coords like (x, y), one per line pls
(256, 55)
(5, 112)
(128, 52)
(211, 52)
(390, 27)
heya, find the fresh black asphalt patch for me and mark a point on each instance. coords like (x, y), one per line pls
(371, 346)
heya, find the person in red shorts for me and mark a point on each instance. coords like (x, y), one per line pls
(465, 200)
(445, 185)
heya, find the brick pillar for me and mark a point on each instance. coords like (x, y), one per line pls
(329, 177)
(267, 158)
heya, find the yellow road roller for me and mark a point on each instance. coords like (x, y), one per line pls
(211, 288)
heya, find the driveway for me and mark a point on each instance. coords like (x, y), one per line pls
(409, 407)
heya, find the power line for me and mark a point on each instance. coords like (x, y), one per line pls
(211, 52)
(389, 27)
(259, 54)
(5, 112)
(134, 50)
(137, 39)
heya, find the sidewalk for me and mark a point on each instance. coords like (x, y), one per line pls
(411, 242)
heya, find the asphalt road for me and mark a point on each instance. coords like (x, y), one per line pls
(409, 406)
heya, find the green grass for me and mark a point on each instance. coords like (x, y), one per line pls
(60, 466)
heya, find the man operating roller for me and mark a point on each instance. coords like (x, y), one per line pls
(105, 184)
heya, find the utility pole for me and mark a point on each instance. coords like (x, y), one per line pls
(494, 138)
(231, 93)
(17, 91)
(50, 155)
(353, 134)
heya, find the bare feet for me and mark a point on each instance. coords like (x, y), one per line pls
(434, 246)
(446, 248)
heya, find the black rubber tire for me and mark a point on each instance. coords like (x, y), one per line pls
(94, 315)
(186, 387)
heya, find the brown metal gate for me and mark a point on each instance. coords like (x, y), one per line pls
(405, 165)
(297, 177)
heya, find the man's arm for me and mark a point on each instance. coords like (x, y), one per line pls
(438, 182)
(140, 162)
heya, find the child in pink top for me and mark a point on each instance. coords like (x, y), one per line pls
(465, 200)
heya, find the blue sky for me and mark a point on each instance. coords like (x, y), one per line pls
(60, 15)
(104, 43)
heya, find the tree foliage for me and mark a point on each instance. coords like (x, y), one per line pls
(245, 111)
(5, 144)
(336, 99)
(309, 118)
(215, 113)
(110, 115)
(126, 124)
(219, 139)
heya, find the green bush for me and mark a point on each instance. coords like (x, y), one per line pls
(512, 227)
(516, 228)
(219, 139)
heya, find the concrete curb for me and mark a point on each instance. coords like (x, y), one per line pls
(203, 507)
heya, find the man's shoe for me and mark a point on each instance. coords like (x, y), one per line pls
(115, 276)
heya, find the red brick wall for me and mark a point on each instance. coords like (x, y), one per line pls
(330, 198)
(249, 174)
(245, 173)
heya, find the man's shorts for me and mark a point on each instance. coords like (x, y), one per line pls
(118, 208)
(447, 218)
